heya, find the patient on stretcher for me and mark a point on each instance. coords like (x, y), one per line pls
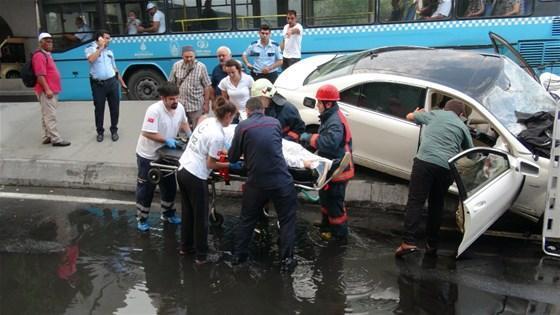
(312, 167)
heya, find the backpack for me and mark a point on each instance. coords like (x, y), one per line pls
(27, 75)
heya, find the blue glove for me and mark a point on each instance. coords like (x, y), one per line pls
(305, 137)
(171, 143)
(236, 166)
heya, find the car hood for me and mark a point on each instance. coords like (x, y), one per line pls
(293, 77)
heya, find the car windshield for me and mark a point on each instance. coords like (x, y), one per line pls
(515, 91)
(336, 67)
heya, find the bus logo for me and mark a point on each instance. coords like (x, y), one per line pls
(202, 44)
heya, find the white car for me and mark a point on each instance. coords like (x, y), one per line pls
(379, 87)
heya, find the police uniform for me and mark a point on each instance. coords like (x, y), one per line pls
(259, 140)
(264, 56)
(104, 86)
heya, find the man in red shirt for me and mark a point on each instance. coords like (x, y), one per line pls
(47, 89)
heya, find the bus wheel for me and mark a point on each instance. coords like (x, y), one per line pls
(143, 84)
(12, 75)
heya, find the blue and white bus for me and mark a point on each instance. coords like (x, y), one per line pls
(341, 26)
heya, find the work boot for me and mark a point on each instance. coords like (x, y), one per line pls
(172, 218)
(143, 225)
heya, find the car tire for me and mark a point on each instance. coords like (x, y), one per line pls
(143, 84)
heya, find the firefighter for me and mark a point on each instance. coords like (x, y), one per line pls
(278, 107)
(332, 141)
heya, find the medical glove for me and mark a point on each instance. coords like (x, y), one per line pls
(305, 137)
(236, 166)
(171, 143)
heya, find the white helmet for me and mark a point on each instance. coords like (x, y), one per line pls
(263, 87)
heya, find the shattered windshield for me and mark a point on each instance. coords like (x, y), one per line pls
(516, 91)
(336, 67)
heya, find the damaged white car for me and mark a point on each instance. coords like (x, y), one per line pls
(379, 87)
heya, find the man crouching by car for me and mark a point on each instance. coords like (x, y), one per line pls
(445, 135)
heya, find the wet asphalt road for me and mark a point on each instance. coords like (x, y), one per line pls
(78, 252)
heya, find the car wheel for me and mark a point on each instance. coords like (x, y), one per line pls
(143, 84)
(13, 75)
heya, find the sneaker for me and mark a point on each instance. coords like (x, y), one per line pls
(114, 136)
(322, 170)
(143, 226)
(288, 264)
(173, 219)
(99, 137)
(61, 143)
(46, 141)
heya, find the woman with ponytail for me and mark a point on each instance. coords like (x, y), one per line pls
(197, 162)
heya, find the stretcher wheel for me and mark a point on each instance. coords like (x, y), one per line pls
(216, 219)
(154, 175)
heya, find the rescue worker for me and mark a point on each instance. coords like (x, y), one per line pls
(278, 107)
(162, 122)
(259, 140)
(332, 141)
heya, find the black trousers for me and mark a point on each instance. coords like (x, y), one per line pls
(271, 76)
(254, 199)
(333, 209)
(287, 62)
(427, 181)
(101, 91)
(194, 214)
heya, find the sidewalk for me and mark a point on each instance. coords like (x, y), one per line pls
(112, 165)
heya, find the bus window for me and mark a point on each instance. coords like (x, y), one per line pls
(508, 7)
(252, 13)
(330, 12)
(72, 21)
(196, 15)
(397, 10)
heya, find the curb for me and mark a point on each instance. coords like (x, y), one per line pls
(122, 177)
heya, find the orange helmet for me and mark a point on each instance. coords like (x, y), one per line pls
(327, 92)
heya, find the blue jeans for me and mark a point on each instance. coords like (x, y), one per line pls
(145, 190)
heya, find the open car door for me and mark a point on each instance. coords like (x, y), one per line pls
(502, 47)
(489, 181)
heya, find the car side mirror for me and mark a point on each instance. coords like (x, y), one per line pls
(309, 102)
(528, 169)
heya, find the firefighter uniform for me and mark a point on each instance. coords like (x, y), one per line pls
(332, 141)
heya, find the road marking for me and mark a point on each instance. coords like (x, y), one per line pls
(62, 198)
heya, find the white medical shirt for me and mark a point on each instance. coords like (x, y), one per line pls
(159, 120)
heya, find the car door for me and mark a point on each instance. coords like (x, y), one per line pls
(382, 137)
(489, 180)
(501, 46)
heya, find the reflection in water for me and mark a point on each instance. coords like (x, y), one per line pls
(105, 267)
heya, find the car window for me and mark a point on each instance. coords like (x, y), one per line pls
(388, 98)
(477, 172)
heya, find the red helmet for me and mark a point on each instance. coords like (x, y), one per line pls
(327, 92)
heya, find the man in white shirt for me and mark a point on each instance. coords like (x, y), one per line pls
(442, 11)
(83, 33)
(291, 44)
(162, 122)
(158, 20)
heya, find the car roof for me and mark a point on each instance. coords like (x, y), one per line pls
(466, 71)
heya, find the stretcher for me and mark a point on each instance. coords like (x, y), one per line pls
(167, 164)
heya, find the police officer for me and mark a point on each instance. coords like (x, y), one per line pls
(104, 80)
(259, 140)
(333, 141)
(267, 57)
(278, 107)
